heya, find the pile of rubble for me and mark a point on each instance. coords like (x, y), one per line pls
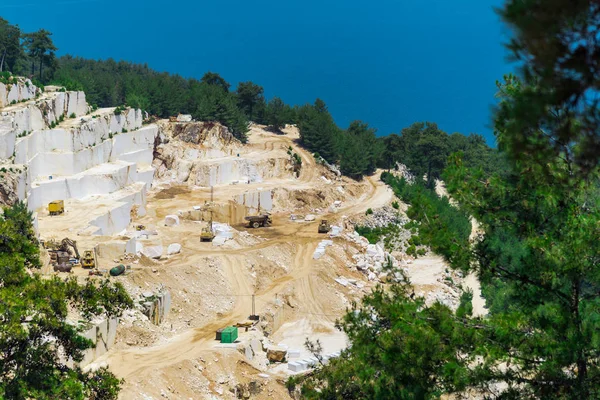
(375, 261)
(402, 171)
(381, 217)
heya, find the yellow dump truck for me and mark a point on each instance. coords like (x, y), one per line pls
(56, 207)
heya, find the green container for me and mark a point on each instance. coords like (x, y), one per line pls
(118, 270)
(229, 334)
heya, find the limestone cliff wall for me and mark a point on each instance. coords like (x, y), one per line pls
(53, 147)
(21, 89)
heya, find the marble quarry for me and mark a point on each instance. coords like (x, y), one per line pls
(67, 152)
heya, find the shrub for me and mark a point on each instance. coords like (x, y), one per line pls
(375, 235)
(369, 211)
(442, 226)
(396, 205)
(73, 115)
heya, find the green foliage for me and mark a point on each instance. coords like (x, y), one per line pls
(425, 149)
(395, 205)
(214, 79)
(375, 235)
(40, 48)
(537, 259)
(465, 308)
(119, 110)
(251, 101)
(10, 46)
(359, 150)
(30, 364)
(277, 114)
(556, 43)
(67, 84)
(216, 104)
(73, 115)
(137, 101)
(369, 211)
(6, 77)
(401, 349)
(443, 227)
(318, 130)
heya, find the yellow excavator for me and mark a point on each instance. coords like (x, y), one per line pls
(60, 254)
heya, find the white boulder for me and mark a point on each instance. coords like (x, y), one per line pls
(184, 118)
(174, 248)
(153, 251)
(171, 220)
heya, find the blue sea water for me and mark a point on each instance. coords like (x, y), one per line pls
(386, 62)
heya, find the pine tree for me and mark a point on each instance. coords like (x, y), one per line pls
(36, 340)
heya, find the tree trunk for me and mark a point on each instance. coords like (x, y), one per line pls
(582, 369)
(2, 62)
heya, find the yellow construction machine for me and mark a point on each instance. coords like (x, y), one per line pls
(89, 260)
(260, 219)
(56, 207)
(324, 226)
(207, 234)
(60, 254)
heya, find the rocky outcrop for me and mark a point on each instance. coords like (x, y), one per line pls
(19, 89)
(276, 354)
(206, 154)
(11, 181)
(201, 132)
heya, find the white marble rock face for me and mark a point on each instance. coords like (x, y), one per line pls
(90, 155)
